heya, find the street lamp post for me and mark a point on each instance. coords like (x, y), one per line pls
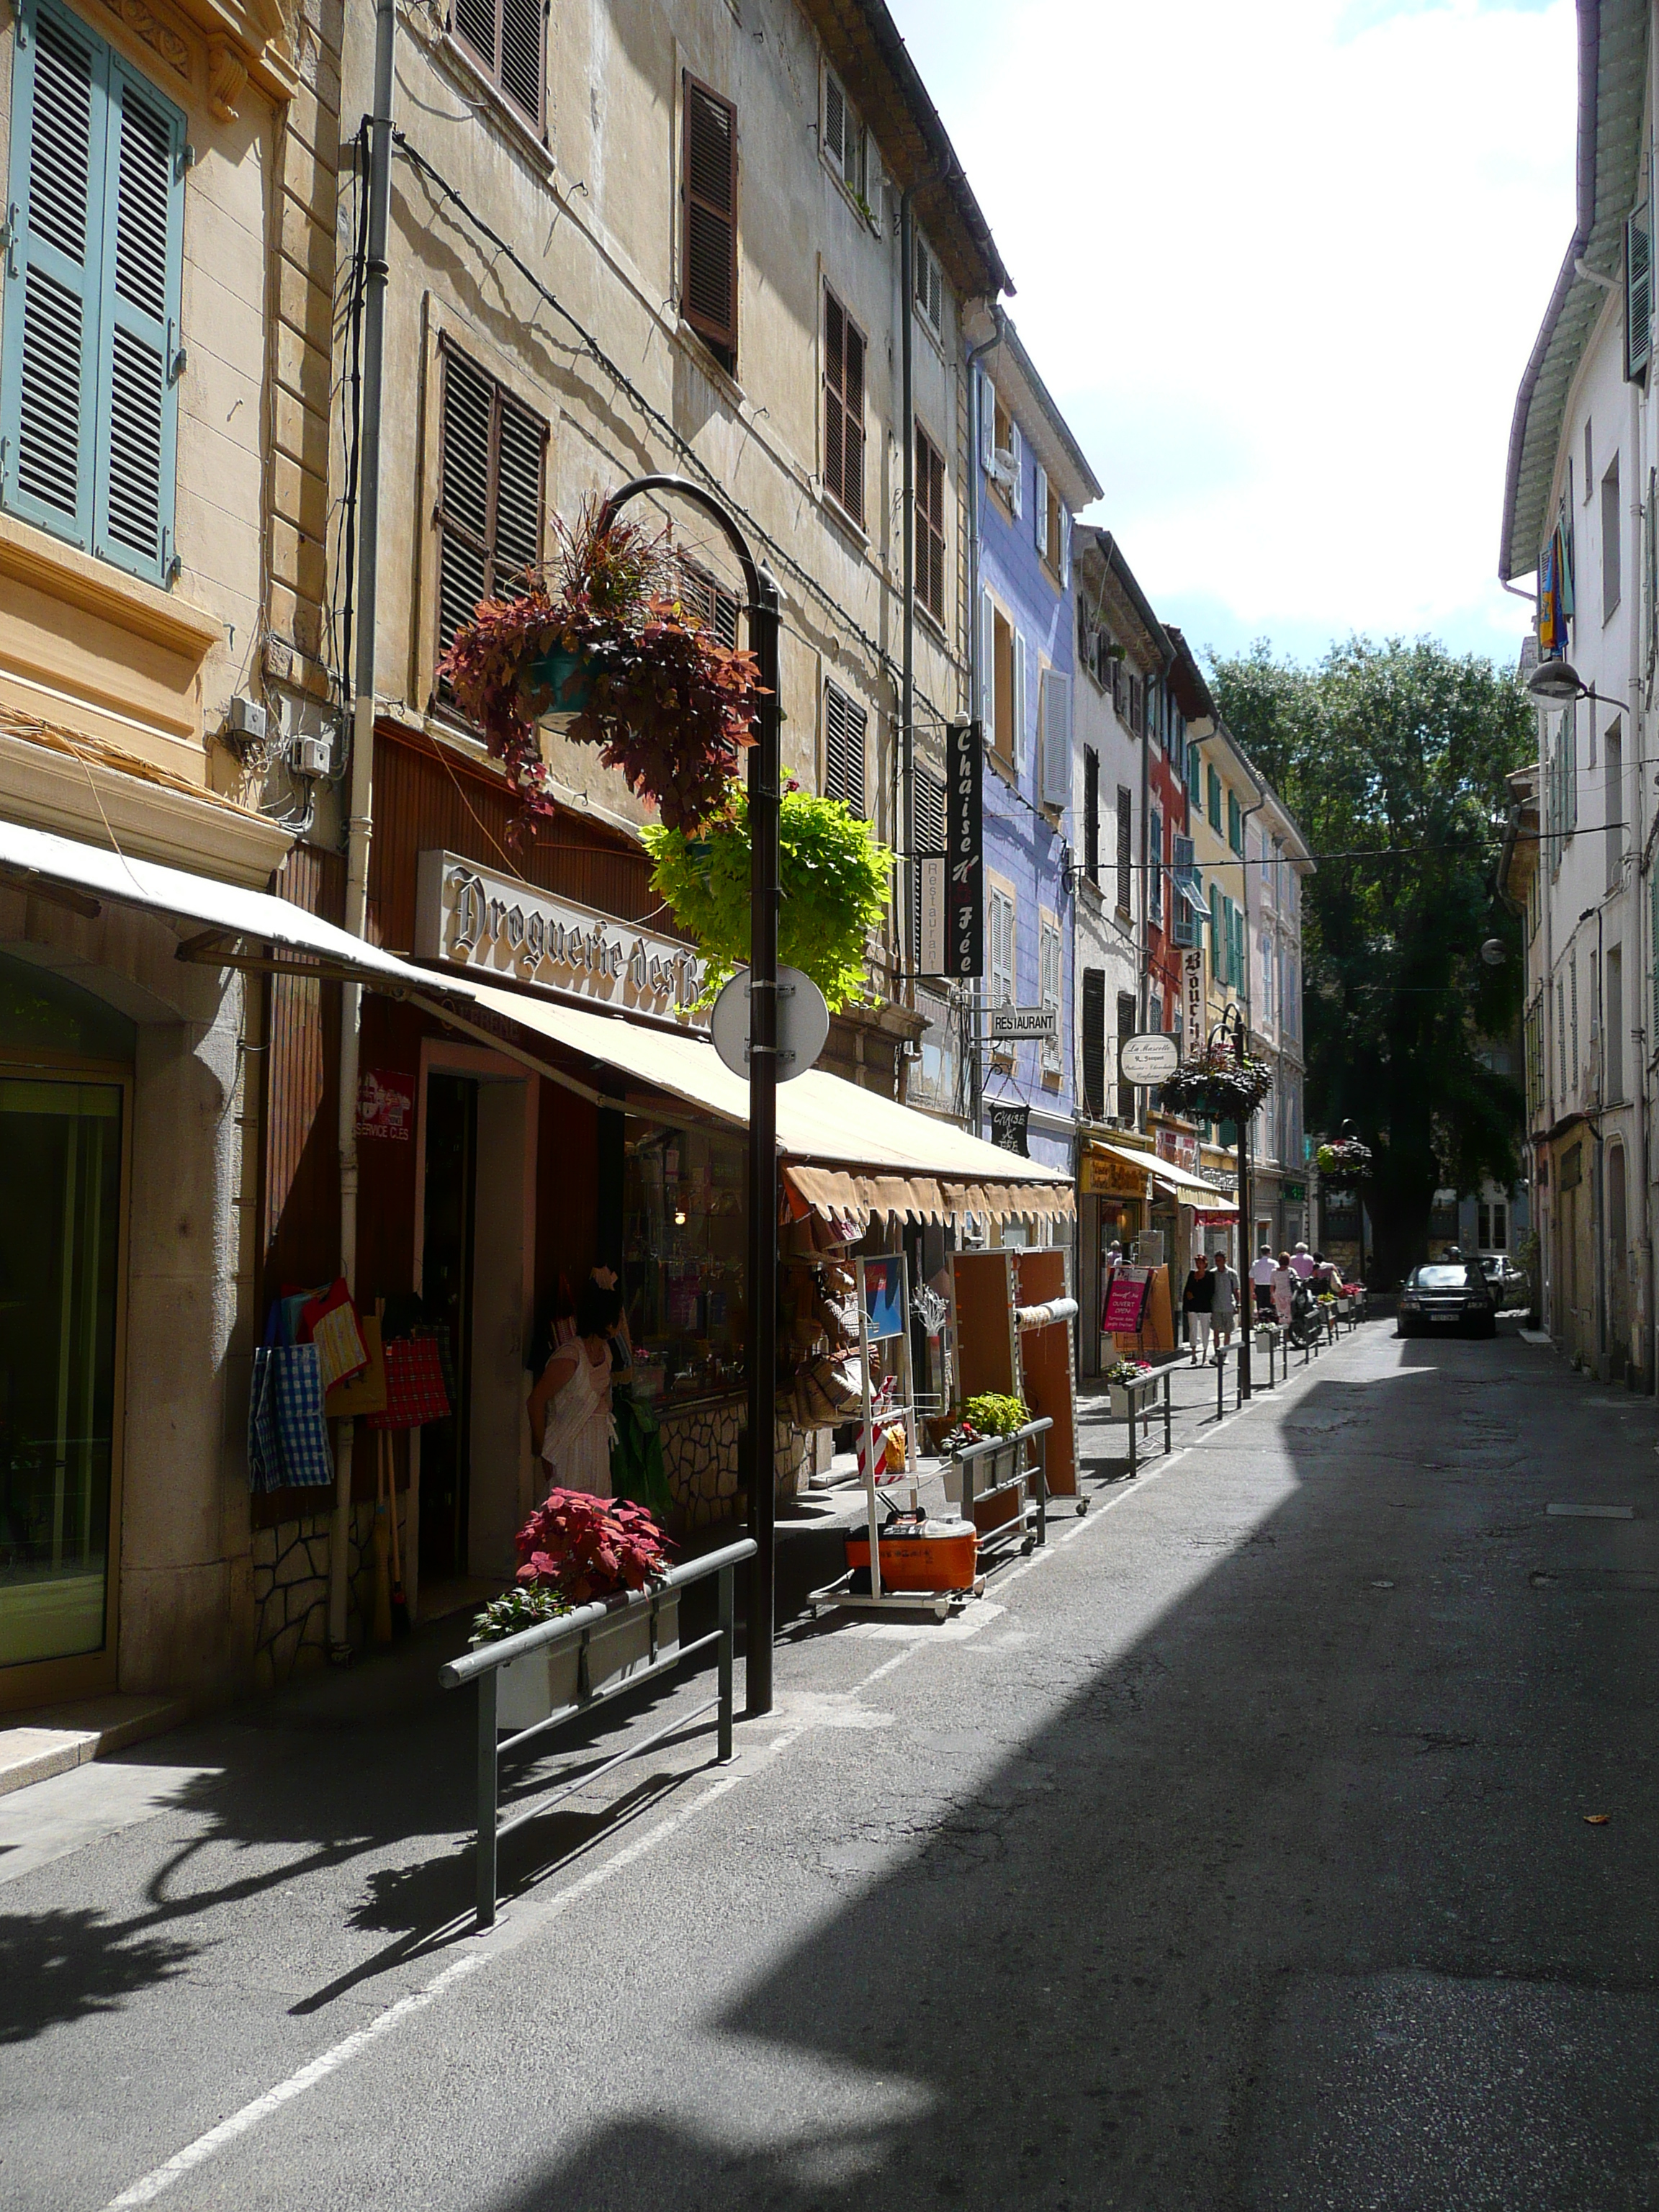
(761, 1346)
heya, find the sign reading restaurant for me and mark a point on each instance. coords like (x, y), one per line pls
(496, 926)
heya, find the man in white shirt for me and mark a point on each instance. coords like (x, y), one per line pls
(1261, 1279)
(1301, 1262)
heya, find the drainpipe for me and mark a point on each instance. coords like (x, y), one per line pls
(359, 822)
(907, 762)
(975, 675)
(1636, 784)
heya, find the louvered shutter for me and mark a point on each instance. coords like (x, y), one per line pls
(1065, 546)
(835, 123)
(845, 728)
(1040, 511)
(709, 190)
(54, 273)
(987, 662)
(1570, 768)
(988, 417)
(1155, 862)
(1057, 740)
(853, 400)
(929, 841)
(138, 412)
(1019, 702)
(835, 359)
(523, 72)
(516, 538)
(475, 22)
(1092, 814)
(463, 494)
(1125, 849)
(1016, 451)
(1094, 1043)
(1639, 291)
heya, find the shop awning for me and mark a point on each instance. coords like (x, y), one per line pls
(234, 923)
(845, 1149)
(1180, 1182)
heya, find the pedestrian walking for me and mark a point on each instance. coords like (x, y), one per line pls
(1285, 1281)
(1302, 1260)
(1224, 1305)
(1261, 1281)
(1197, 1297)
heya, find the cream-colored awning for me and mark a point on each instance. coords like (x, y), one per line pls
(1180, 1182)
(845, 1149)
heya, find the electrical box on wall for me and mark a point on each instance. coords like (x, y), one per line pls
(244, 722)
(312, 756)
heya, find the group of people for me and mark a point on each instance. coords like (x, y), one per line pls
(1209, 1301)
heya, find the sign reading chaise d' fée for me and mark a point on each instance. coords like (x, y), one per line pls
(497, 926)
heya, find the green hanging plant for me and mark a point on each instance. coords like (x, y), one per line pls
(833, 873)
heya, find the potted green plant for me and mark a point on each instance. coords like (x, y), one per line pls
(1218, 1085)
(977, 1420)
(1343, 1163)
(576, 1547)
(1126, 1380)
(601, 640)
(833, 872)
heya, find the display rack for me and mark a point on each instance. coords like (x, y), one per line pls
(884, 1335)
(1012, 1320)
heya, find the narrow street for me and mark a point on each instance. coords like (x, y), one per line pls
(1234, 1852)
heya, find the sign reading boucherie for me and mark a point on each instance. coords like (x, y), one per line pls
(497, 926)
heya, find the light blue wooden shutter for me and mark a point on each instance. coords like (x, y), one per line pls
(1019, 702)
(1017, 453)
(1056, 758)
(1040, 510)
(48, 392)
(1065, 546)
(139, 337)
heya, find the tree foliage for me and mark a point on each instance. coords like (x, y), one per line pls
(1392, 759)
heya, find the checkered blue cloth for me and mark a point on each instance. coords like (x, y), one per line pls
(287, 1428)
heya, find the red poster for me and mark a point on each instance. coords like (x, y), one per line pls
(385, 1105)
(1126, 1301)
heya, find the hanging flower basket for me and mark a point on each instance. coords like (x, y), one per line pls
(833, 872)
(1218, 1086)
(1344, 1163)
(605, 641)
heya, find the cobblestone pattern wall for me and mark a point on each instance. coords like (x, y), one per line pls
(700, 1458)
(290, 1592)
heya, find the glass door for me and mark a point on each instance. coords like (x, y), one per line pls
(60, 1220)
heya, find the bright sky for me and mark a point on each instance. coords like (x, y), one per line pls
(1281, 267)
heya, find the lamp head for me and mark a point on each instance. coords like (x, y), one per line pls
(1556, 682)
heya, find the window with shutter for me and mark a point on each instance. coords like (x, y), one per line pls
(1002, 949)
(843, 408)
(930, 288)
(1092, 814)
(1094, 1043)
(1638, 295)
(88, 403)
(1126, 1028)
(845, 726)
(1155, 874)
(1040, 512)
(1214, 785)
(1020, 703)
(1055, 738)
(1125, 850)
(929, 842)
(844, 139)
(1049, 967)
(709, 192)
(489, 493)
(1235, 823)
(930, 525)
(718, 610)
(505, 37)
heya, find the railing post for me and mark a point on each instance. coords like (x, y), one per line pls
(1043, 1485)
(1220, 1381)
(723, 1753)
(488, 1786)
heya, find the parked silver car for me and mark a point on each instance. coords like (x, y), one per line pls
(1509, 1284)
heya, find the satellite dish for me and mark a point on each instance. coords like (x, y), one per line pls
(803, 1023)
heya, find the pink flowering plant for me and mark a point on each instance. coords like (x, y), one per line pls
(588, 1547)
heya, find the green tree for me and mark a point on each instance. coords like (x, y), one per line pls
(1392, 758)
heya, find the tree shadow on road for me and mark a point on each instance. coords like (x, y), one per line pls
(58, 1966)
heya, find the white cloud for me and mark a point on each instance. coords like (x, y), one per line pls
(1282, 268)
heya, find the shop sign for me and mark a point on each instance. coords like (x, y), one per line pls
(1174, 1145)
(1192, 997)
(1295, 1192)
(1124, 1308)
(385, 1105)
(1148, 1059)
(1218, 1178)
(1010, 1024)
(1111, 1177)
(497, 926)
(1009, 1126)
(964, 852)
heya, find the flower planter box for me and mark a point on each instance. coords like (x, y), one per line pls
(1127, 1398)
(547, 1682)
(1265, 1339)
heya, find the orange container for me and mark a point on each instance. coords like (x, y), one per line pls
(921, 1562)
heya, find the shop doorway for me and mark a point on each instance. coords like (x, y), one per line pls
(446, 1284)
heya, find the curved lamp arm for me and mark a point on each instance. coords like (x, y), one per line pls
(716, 510)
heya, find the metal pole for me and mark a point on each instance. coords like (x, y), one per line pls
(764, 779)
(489, 1784)
(359, 824)
(724, 1748)
(907, 733)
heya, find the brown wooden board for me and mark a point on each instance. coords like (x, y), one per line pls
(986, 1358)
(1045, 1364)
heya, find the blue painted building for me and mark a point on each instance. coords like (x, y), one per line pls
(1029, 479)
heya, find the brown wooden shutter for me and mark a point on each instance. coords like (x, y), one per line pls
(843, 408)
(930, 525)
(710, 191)
(1094, 1043)
(489, 499)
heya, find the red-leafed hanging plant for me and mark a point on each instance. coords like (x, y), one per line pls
(604, 637)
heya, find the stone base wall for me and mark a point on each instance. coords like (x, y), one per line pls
(700, 1458)
(290, 1591)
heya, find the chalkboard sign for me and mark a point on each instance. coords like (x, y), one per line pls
(1126, 1301)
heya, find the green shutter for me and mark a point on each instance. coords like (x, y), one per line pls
(1235, 823)
(54, 252)
(88, 411)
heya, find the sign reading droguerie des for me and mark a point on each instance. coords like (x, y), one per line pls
(494, 925)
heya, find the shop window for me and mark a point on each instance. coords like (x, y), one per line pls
(504, 37)
(684, 1243)
(846, 728)
(930, 525)
(88, 395)
(843, 408)
(489, 500)
(709, 199)
(60, 1214)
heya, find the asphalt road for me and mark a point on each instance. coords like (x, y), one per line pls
(1233, 1853)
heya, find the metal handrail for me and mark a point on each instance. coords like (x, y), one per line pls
(484, 1666)
(999, 1539)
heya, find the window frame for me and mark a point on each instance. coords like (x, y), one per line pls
(858, 193)
(492, 70)
(484, 545)
(837, 700)
(721, 339)
(930, 530)
(1051, 955)
(835, 394)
